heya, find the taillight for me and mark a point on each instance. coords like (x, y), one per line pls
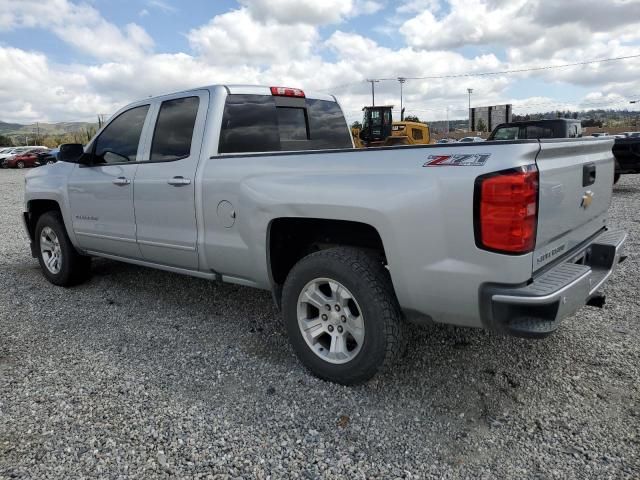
(506, 210)
(287, 92)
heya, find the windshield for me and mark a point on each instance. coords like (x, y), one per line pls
(506, 133)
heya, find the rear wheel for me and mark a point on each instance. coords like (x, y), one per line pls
(341, 315)
(60, 262)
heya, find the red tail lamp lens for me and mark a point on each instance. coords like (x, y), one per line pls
(507, 211)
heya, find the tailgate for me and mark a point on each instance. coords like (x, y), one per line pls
(576, 183)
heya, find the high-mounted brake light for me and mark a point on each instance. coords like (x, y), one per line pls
(506, 210)
(287, 92)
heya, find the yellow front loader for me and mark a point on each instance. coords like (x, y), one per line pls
(379, 129)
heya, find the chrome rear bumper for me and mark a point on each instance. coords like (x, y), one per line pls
(536, 309)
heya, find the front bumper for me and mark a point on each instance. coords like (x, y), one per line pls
(536, 309)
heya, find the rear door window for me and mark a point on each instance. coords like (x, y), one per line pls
(174, 129)
(254, 123)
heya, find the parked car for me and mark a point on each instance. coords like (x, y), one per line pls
(48, 157)
(18, 150)
(626, 160)
(600, 134)
(24, 159)
(631, 134)
(471, 139)
(627, 154)
(262, 187)
(536, 129)
(446, 140)
(12, 151)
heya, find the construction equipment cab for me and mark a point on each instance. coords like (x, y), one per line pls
(376, 125)
(379, 129)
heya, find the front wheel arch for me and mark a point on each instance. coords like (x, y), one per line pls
(37, 208)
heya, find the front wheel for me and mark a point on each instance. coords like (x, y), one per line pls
(20, 164)
(341, 315)
(60, 262)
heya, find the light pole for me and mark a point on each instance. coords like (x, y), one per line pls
(373, 92)
(401, 80)
(470, 91)
(447, 119)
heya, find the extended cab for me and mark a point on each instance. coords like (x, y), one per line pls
(262, 187)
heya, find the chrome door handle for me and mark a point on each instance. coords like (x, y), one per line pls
(179, 181)
(120, 181)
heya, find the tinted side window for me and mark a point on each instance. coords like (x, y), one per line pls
(119, 141)
(535, 131)
(253, 123)
(506, 133)
(174, 129)
(292, 128)
(249, 124)
(327, 126)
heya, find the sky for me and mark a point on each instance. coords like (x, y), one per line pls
(70, 60)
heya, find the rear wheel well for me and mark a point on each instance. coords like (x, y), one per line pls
(291, 239)
(35, 209)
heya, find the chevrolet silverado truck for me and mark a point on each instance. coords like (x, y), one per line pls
(261, 186)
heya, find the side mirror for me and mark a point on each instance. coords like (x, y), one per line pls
(70, 152)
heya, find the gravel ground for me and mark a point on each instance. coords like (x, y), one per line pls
(141, 373)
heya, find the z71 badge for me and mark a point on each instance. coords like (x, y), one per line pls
(458, 160)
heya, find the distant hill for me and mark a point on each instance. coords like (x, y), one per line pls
(6, 128)
(60, 128)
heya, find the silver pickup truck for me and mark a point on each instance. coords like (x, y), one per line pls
(261, 186)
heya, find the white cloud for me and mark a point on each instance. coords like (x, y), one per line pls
(237, 38)
(287, 42)
(518, 22)
(366, 7)
(166, 7)
(79, 25)
(310, 12)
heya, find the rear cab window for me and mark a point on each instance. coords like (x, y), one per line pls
(506, 133)
(266, 123)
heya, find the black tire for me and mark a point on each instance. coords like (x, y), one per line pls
(616, 177)
(74, 268)
(370, 284)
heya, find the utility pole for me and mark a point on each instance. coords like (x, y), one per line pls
(470, 91)
(401, 80)
(373, 91)
(447, 119)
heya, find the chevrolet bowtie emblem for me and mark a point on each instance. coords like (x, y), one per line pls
(587, 199)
